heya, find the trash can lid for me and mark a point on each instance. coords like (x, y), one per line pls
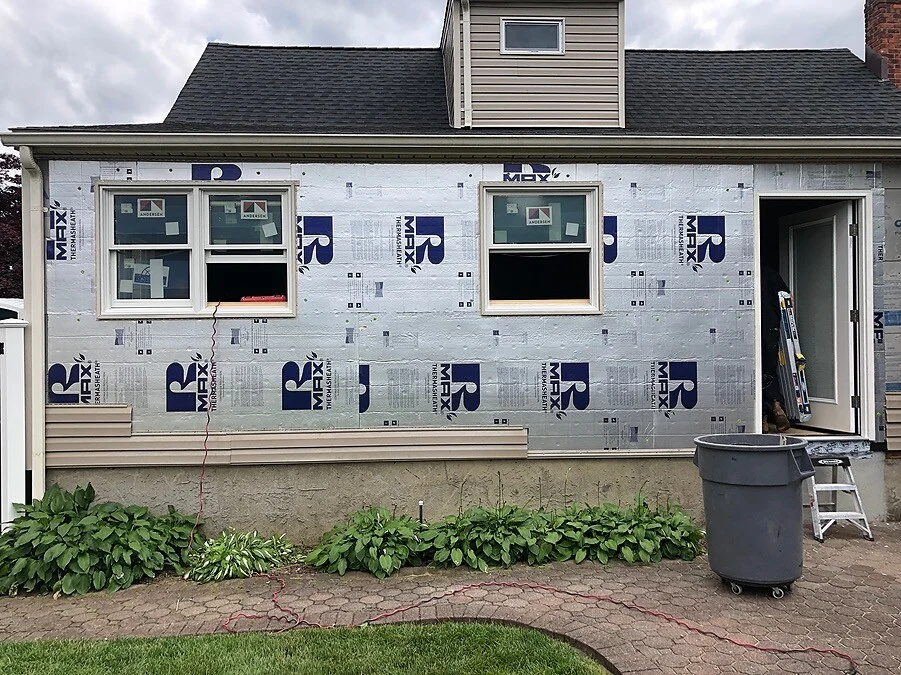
(750, 442)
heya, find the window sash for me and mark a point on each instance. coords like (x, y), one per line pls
(201, 251)
(560, 24)
(593, 246)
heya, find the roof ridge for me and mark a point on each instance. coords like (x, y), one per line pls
(741, 51)
(323, 48)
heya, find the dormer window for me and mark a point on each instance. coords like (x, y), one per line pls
(532, 36)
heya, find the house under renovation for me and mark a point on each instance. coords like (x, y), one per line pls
(527, 264)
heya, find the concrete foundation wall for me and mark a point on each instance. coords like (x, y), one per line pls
(306, 500)
(893, 487)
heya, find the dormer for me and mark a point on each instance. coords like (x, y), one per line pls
(535, 63)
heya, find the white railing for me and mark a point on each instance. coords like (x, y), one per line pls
(12, 418)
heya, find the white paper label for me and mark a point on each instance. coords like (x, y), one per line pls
(172, 228)
(156, 278)
(129, 263)
(127, 207)
(126, 286)
(269, 230)
(555, 232)
(513, 208)
(572, 229)
(500, 236)
(230, 207)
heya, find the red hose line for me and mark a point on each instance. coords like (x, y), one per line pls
(206, 434)
(299, 621)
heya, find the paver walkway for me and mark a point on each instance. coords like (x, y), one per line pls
(848, 599)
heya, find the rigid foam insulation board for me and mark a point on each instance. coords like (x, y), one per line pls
(671, 357)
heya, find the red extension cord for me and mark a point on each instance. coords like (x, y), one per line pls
(295, 620)
(206, 433)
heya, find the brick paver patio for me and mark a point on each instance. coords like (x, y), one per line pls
(848, 599)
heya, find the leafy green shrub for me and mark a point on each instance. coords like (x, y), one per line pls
(483, 537)
(63, 543)
(372, 540)
(238, 555)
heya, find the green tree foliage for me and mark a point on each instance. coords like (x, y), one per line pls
(10, 226)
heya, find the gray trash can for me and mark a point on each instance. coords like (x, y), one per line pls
(752, 501)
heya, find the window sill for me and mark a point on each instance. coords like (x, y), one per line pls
(530, 307)
(249, 310)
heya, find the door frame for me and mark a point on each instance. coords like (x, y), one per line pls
(866, 361)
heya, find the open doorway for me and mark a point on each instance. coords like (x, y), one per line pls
(811, 247)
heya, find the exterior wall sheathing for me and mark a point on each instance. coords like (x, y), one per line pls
(382, 329)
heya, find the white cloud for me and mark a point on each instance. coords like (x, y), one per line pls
(106, 61)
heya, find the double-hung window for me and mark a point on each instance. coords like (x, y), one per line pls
(541, 249)
(176, 250)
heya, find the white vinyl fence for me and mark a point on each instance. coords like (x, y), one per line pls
(12, 417)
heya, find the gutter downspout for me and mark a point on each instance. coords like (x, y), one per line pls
(467, 66)
(33, 290)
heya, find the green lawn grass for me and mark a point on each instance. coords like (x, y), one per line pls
(432, 649)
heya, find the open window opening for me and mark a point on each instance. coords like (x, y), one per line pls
(810, 249)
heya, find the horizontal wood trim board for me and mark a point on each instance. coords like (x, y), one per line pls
(87, 413)
(233, 458)
(90, 430)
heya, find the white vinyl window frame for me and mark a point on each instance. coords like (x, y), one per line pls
(594, 244)
(561, 36)
(199, 245)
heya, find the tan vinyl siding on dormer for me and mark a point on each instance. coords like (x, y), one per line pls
(453, 72)
(580, 88)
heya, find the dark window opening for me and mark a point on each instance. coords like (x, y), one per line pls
(229, 282)
(540, 276)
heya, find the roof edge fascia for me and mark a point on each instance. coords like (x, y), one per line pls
(370, 146)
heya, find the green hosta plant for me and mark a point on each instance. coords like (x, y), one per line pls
(372, 540)
(238, 555)
(481, 538)
(64, 543)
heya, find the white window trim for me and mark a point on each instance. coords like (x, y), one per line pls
(561, 32)
(594, 242)
(110, 307)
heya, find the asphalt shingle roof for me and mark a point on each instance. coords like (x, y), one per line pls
(247, 89)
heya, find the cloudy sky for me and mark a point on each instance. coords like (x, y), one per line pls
(109, 61)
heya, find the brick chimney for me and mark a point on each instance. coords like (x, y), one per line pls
(883, 24)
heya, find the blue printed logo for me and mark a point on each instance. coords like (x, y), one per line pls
(611, 239)
(364, 387)
(62, 244)
(307, 386)
(455, 387)
(701, 239)
(314, 241)
(191, 387)
(529, 173)
(879, 327)
(420, 239)
(677, 385)
(215, 172)
(564, 386)
(74, 383)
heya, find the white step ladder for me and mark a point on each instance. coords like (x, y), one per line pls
(823, 520)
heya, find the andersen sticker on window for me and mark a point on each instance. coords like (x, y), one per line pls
(151, 208)
(254, 209)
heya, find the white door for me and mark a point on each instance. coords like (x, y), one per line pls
(817, 264)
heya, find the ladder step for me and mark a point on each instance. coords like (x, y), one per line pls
(831, 487)
(841, 515)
